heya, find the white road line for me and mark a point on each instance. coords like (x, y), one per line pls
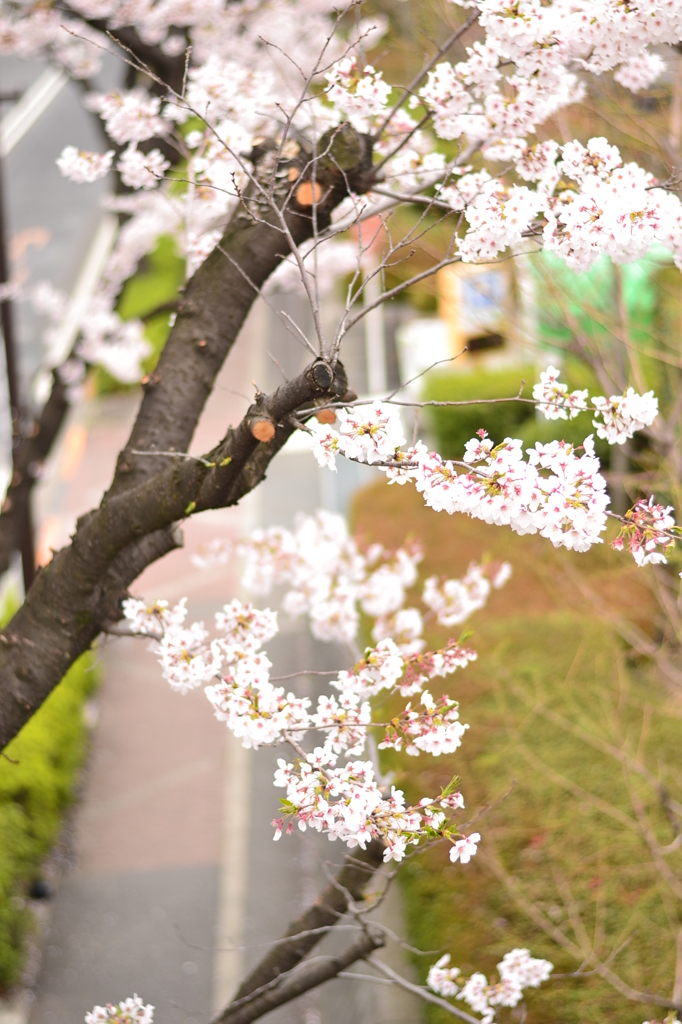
(86, 282)
(228, 963)
(89, 275)
(233, 884)
(28, 109)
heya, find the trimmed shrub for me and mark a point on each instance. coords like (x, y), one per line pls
(453, 426)
(38, 772)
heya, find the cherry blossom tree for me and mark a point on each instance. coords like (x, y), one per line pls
(257, 135)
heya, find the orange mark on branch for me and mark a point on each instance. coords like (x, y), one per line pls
(325, 416)
(263, 429)
(305, 195)
(293, 174)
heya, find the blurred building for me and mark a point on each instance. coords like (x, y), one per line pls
(487, 318)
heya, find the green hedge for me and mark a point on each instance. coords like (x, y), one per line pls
(454, 426)
(37, 777)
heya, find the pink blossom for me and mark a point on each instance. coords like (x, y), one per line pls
(554, 400)
(131, 116)
(81, 166)
(141, 170)
(623, 415)
(464, 849)
(129, 1011)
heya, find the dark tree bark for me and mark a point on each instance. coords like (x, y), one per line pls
(80, 590)
(300, 979)
(278, 978)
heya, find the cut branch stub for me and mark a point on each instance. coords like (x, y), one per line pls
(306, 195)
(343, 163)
(263, 428)
(341, 149)
(321, 374)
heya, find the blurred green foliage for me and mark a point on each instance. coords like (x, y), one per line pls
(638, 303)
(587, 302)
(160, 276)
(38, 771)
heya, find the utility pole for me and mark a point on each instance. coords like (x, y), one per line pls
(19, 495)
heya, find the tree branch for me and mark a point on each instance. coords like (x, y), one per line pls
(79, 591)
(281, 976)
(300, 979)
(307, 930)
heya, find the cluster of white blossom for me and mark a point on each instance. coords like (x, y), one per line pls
(557, 492)
(81, 166)
(555, 403)
(347, 803)
(141, 170)
(584, 205)
(438, 731)
(622, 415)
(453, 600)
(580, 199)
(331, 580)
(540, 43)
(155, 619)
(256, 711)
(317, 560)
(584, 201)
(129, 1011)
(518, 970)
(187, 654)
(613, 209)
(365, 434)
(360, 96)
(322, 566)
